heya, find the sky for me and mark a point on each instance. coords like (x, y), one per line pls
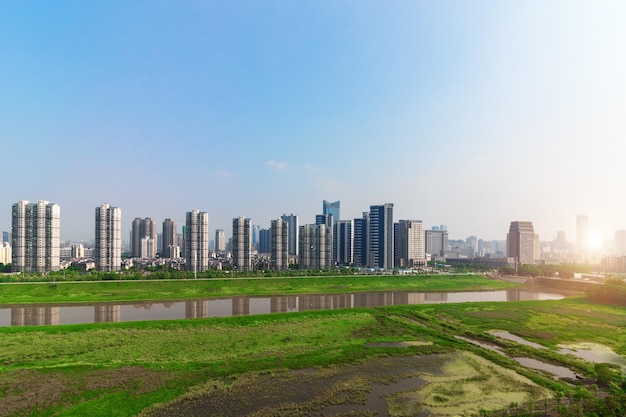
(471, 114)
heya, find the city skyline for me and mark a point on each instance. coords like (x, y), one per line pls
(470, 116)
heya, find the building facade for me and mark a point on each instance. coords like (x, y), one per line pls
(331, 208)
(5, 253)
(436, 242)
(36, 236)
(342, 243)
(381, 243)
(197, 240)
(411, 246)
(315, 247)
(108, 244)
(521, 242)
(279, 245)
(242, 244)
(169, 239)
(361, 243)
(265, 241)
(220, 240)
(292, 221)
(143, 238)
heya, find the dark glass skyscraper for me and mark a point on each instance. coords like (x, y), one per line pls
(381, 236)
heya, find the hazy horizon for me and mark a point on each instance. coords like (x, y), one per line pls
(468, 114)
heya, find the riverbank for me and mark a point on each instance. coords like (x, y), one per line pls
(123, 368)
(121, 291)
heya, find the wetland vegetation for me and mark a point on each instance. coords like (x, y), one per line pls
(318, 362)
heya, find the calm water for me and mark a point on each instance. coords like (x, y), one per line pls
(31, 315)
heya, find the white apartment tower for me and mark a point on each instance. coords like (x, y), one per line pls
(197, 240)
(411, 244)
(279, 245)
(108, 248)
(220, 240)
(315, 243)
(36, 237)
(242, 244)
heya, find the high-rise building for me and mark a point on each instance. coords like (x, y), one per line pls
(436, 242)
(77, 250)
(242, 244)
(169, 239)
(5, 237)
(381, 236)
(108, 247)
(265, 241)
(143, 238)
(279, 245)
(361, 242)
(292, 221)
(521, 242)
(255, 236)
(220, 240)
(582, 232)
(5, 253)
(36, 235)
(342, 243)
(620, 242)
(196, 234)
(411, 245)
(315, 247)
(331, 208)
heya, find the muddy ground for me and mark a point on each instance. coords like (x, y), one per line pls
(453, 384)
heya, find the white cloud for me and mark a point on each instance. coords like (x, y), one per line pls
(277, 166)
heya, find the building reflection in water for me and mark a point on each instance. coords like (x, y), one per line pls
(241, 306)
(105, 313)
(34, 316)
(196, 309)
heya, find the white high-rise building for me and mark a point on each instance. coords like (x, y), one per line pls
(220, 240)
(316, 241)
(279, 245)
(242, 244)
(5, 253)
(197, 240)
(411, 244)
(522, 242)
(36, 235)
(108, 247)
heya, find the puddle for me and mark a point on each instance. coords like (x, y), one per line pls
(376, 402)
(514, 338)
(558, 371)
(594, 352)
(483, 345)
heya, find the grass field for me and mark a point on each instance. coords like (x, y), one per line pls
(112, 291)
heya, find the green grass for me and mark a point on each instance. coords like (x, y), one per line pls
(117, 291)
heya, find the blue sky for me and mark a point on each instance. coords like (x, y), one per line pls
(470, 114)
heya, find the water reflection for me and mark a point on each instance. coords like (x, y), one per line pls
(243, 306)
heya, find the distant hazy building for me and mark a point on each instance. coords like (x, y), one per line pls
(411, 247)
(279, 245)
(143, 238)
(255, 236)
(108, 244)
(292, 221)
(265, 241)
(5, 253)
(620, 242)
(331, 208)
(360, 242)
(436, 242)
(522, 242)
(315, 247)
(220, 240)
(197, 240)
(242, 244)
(169, 238)
(582, 232)
(36, 235)
(381, 242)
(5, 237)
(342, 243)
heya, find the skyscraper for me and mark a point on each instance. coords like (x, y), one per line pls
(292, 221)
(197, 240)
(361, 242)
(279, 245)
(520, 242)
(265, 241)
(342, 243)
(242, 244)
(36, 236)
(169, 239)
(381, 236)
(108, 250)
(582, 232)
(331, 208)
(143, 238)
(5, 237)
(315, 247)
(436, 242)
(411, 247)
(220, 240)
